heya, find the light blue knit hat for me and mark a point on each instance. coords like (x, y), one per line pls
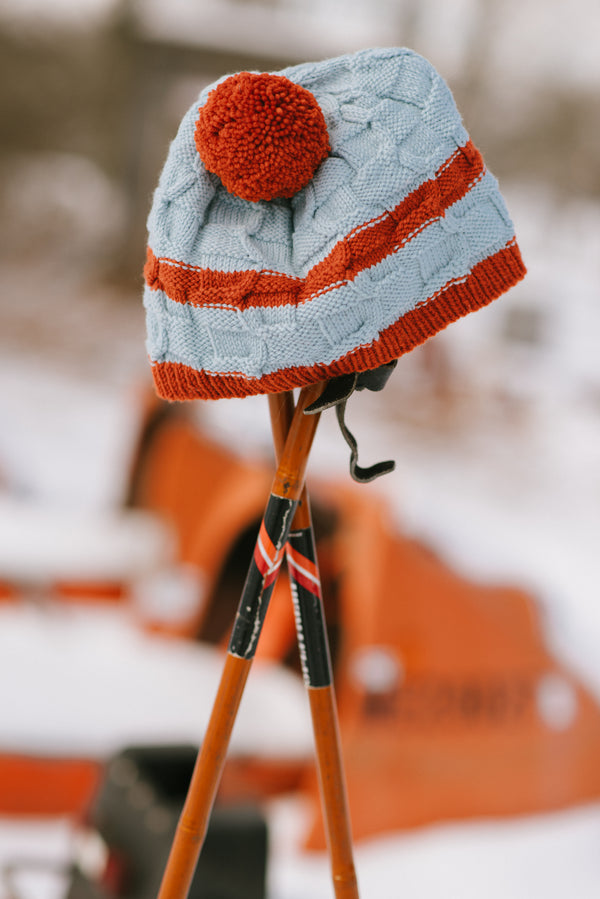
(397, 229)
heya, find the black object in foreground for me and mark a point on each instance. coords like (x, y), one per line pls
(136, 813)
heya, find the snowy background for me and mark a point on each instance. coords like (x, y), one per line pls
(495, 426)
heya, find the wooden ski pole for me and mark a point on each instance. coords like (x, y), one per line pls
(262, 573)
(316, 668)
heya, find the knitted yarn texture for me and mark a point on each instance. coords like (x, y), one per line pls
(318, 221)
(263, 135)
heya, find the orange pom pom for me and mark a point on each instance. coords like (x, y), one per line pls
(263, 135)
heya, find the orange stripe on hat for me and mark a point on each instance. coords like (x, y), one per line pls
(363, 247)
(486, 281)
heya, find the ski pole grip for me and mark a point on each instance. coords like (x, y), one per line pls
(291, 470)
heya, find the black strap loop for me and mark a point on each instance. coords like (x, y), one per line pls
(362, 475)
(336, 393)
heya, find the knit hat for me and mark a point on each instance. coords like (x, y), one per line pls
(316, 222)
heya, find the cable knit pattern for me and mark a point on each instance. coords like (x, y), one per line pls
(400, 231)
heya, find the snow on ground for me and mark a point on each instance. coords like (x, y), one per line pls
(550, 857)
(554, 857)
(35, 856)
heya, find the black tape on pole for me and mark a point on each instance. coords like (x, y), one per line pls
(308, 608)
(261, 577)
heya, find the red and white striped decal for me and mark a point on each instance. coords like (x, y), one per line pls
(303, 571)
(267, 557)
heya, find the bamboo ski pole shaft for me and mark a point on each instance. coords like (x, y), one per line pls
(262, 573)
(316, 666)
